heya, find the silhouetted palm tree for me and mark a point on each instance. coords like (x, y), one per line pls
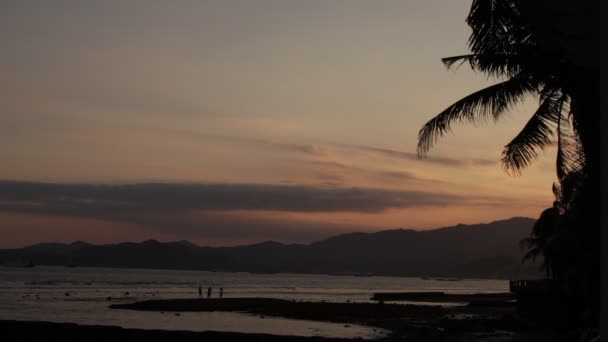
(548, 49)
(518, 42)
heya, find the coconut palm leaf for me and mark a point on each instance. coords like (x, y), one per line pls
(496, 65)
(533, 252)
(536, 134)
(541, 239)
(570, 157)
(487, 103)
(570, 184)
(494, 24)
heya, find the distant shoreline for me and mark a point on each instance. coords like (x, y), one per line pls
(433, 278)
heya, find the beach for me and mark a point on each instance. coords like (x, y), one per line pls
(120, 303)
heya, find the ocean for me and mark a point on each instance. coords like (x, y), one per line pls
(82, 295)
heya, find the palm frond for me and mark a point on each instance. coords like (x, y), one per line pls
(487, 103)
(570, 185)
(450, 61)
(570, 157)
(557, 194)
(527, 242)
(540, 241)
(496, 65)
(494, 25)
(535, 135)
(531, 255)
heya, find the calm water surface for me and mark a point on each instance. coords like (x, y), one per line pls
(82, 295)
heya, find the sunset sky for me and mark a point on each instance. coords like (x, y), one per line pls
(227, 122)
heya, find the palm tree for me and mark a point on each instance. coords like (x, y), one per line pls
(519, 43)
(547, 49)
(539, 48)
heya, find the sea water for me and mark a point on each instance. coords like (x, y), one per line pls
(82, 295)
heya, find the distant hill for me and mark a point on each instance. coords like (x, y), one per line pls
(483, 251)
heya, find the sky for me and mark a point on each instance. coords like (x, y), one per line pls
(231, 122)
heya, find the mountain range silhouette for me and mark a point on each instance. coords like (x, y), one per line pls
(476, 251)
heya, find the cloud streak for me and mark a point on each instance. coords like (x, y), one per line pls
(444, 161)
(94, 200)
(308, 149)
(317, 150)
(224, 213)
(337, 173)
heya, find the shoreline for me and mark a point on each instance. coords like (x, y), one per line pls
(442, 278)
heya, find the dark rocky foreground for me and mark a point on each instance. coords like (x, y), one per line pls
(47, 331)
(412, 322)
(474, 298)
(487, 323)
(388, 316)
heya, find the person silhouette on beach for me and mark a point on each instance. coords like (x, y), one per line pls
(209, 293)
(200, 291)
(221, 292)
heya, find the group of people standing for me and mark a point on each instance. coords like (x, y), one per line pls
(209, 289)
